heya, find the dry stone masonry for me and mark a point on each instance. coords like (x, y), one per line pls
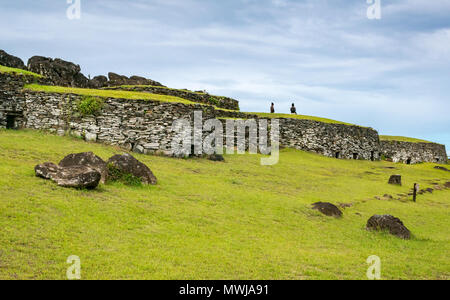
(413, 153)
(145, 126)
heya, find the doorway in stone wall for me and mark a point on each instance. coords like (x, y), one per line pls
(408, 161)
(338, 155)
(10, 122)
(355, 155)
(372, 156)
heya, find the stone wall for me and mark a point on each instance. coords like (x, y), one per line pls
(12, 99)
(219, 101)
(146, 126)
(139, 125)
(412, 153)
(332, 140)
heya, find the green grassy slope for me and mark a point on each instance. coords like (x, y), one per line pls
(4, 69)
(402, 139)
(301, 117)
(207, 220)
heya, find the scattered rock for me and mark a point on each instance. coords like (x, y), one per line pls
(442, 168)
(73, 176)
(127, 164)
(387, 196)
(88, 159)
(447, 185)
(98, 82)
(429, 190)
(216, 157)
(327, 209)
(59, 71)
(11, 61)
(378, 198)
(345, 205)
(388, 222)
(118, 80)
(395, 179)
(46, 170)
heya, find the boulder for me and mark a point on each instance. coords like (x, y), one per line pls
(447, 185)
(442, 168)
(395, 179)
(46, 170)
(87, 159)
(60, 72)
(327, 209)
(216, 157)
(98, 82)
(118, 80)
(388, 222)
(11, 61)
(127, 164)
(73, 177)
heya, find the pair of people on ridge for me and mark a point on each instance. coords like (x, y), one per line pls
(293, 109)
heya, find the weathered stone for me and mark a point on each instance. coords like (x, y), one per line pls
(216, 157)
(388, 222)
(98, 82)
(77, 177)
(88, 159)
(395, 179)
(11, 61)
(127, 164)
(90, 137)
(73, 176)
(327, 209)
(442, 168)
(60, 72)
(447, 185)
(46, 170)
(413, 153)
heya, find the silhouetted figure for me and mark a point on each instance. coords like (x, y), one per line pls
(272, 108)
(293, 109)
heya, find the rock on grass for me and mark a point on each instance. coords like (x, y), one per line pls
(392, 224)
(328, 209)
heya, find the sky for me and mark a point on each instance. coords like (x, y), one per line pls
(327, 57)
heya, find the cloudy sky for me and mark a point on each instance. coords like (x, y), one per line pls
(392, 74)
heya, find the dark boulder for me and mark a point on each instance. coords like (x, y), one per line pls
(60, 72)
(127, 164)
(442, 168)
(118, 80)
(87, 159)
(327, 209)
(447, 185)
(216, 157)
(46, 170)
(388, 222)
(73, 177)
(11, 61)
(98, 82)
(395, 179)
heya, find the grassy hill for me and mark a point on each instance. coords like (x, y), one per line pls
(16, 71)
(207, 220)
(402, 139)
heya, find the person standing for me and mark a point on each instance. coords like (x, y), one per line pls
(293, 109)
(272, 108)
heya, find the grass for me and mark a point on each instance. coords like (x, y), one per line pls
(160, 87)
(402, 139)
(4, 69)
(207, 220)
(301, 117)
(107, 93)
